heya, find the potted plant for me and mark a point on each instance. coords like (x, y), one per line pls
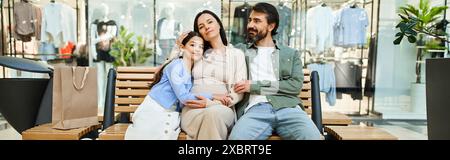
(128, 51)
(418, 25)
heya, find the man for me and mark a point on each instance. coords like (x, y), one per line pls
(276, 78)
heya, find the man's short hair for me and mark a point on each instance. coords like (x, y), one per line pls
(271, 12)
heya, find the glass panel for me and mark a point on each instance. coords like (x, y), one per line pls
(136, 17)
(398, 95)
(239, 10)
(173, 17)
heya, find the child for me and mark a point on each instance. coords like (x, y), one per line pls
(158, 116)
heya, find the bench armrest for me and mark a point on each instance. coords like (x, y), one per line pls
(316, 105)
(108, 114)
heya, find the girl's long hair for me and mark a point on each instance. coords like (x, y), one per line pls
(159, 73)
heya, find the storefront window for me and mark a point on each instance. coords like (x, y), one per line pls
(336, 43)
(173, 18)
(398, 95)
(236, 13)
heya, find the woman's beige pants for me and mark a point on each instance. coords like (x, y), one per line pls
(211, 123)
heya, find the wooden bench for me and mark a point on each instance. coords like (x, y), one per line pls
(46, 132)
(355, 132)
(131, 87)
(335, 119)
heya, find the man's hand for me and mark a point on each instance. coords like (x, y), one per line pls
(242, 86)
(224, 99)
(201, 103)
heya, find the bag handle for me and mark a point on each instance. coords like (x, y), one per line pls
(83, 82)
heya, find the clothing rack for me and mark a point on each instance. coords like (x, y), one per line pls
(11, 39)
(329, 59)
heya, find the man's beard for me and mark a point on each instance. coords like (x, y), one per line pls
(258, 37)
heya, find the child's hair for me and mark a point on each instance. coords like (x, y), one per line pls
(159, 74)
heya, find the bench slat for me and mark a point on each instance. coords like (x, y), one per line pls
(136, 76)
(306, 72)
(307, 79)
(335, 118)
(129, 101)
(305, 94)
(125, 109)
(137, 69)
(306, 86)
(134, 92)
(125, 84)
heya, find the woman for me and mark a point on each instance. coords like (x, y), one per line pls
(221, 67)
(158, 116)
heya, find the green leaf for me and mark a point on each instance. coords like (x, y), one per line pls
(401, 25)
(412, 39)
(410, 32)
(399, 34)
(398, 40)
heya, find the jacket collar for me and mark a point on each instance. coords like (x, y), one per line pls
(253, 45)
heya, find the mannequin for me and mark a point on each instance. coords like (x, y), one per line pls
(103, 31)
(167, 32)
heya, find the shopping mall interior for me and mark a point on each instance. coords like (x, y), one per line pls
(366, 81)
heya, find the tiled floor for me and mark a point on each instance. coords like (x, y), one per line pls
(402, 129)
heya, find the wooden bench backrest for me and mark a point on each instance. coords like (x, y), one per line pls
(132, 87)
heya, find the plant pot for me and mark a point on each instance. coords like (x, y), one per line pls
(418, 98)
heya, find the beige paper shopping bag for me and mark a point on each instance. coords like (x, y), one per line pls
(74, 97)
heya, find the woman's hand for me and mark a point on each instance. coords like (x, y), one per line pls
(196, 104)
(224, 99)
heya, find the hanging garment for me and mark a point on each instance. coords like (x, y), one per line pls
(25, 21)
(369, 88)
(338, 38)
(58, 24)
(38, 24)
(348, 79)
(285, 25)
(67, 50)
(319, 35)
(240, 21)
(327, 80)
(48, 51)
(353, 22)
(70, 24)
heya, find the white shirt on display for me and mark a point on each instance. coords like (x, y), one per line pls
(319, 35)
(58, 24)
